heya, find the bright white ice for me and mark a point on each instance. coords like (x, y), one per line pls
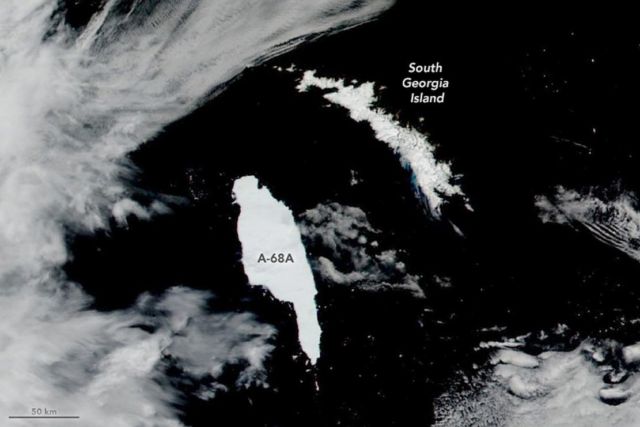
(434, 178)
(266, 226)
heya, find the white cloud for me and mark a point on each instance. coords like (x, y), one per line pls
(554, 389)
(351, 255)
(615, 221)
(103, 368)
(72, 107)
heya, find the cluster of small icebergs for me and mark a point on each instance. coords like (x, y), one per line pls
(616, 364)
(592, 385)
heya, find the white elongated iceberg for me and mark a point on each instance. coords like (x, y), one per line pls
(266, 227)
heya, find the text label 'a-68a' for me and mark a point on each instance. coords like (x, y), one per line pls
(276, 258)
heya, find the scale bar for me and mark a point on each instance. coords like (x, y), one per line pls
(45, 417)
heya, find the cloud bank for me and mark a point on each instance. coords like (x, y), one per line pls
(74, 104)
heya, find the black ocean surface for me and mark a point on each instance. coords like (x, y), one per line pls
(530, 107)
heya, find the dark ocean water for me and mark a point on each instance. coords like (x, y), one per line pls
(530, 107)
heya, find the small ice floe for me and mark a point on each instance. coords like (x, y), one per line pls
(614, 395)
(598, 356)
(631, 354)
(603, 354)
(522, 388)
(615, 376)
(515, 358)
